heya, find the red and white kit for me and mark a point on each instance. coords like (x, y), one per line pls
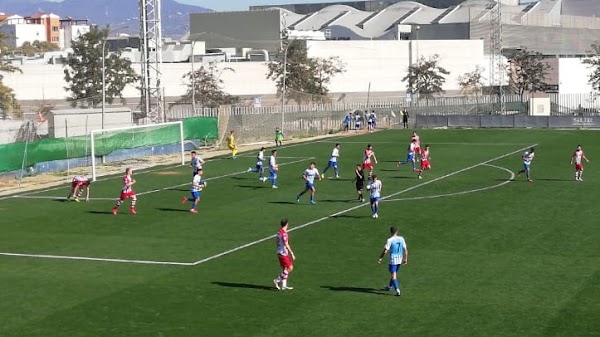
(282, 252)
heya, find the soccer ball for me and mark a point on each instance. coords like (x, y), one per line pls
(368, 187)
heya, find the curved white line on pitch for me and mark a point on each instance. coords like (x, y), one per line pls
(512, 177)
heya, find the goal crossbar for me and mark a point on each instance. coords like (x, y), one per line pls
(102, 131)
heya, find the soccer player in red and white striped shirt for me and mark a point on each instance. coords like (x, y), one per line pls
(577, 157)
(285, 255)
(425, 165)
(127, 192)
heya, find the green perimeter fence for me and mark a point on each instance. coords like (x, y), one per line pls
(49, 149)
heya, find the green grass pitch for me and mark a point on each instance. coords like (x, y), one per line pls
(488, 256)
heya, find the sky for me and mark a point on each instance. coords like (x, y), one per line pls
(242, 5)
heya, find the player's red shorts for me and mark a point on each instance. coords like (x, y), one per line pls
(579, 167)
(78, 183)
(425, 165)
(125, 195)
(284, 261)
(368, 166)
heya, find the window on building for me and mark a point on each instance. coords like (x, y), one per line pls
(55, 28)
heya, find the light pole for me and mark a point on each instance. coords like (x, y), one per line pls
(104, 71)
(285, 51)
(193, 79)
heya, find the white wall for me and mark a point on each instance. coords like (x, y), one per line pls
(30, 33)
(383, 64)
(573, 76)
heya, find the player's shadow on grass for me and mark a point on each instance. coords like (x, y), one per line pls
(253, 187)
(164, 209)
(283, 202)
(100, 212)
(244, 285)
(242, 178)
(551, 179)
(356, 290)
(349, 216)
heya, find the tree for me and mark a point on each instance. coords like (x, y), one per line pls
(83, 71)
(472, 82)
(527, 72)
(8, 102)
(207, 85)
(593, 62)
(37, 47)
(426, 78)
(306, 78)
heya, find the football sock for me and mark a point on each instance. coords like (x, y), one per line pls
(118, 203)
(395, 283)
(335, 170)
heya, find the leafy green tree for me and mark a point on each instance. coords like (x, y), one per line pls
(8, 102)
(527, 72)
(206, 85)
(306, 78)
(83, 71)
(593, 62)
(426, 78)
(471, 83)
(35, 48)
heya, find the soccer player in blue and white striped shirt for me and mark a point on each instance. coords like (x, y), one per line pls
(396, 247)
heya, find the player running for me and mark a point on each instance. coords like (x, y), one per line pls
(375, 188)
(417, 139)
(273, 168)
(77, 185)
(396, 246)
(260, 159)
(410, 155)
(309, 178)
(577, 157)
(196, 163)
(197, 185)
(527, 159)
(284, 252)
(425, 165)
(335, 153)
(127, 192)
(368, 159)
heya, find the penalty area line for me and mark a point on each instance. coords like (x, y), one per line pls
(97, 259)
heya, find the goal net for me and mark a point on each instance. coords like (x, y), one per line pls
(137, 146)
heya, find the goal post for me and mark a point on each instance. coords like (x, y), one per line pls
(135, 141)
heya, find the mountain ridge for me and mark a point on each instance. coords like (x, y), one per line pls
(115, 13)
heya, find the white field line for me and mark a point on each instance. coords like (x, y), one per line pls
(250, 244)
(57, 198)
(28, 196)
(512, 177)
(83, 258)
(358, 206)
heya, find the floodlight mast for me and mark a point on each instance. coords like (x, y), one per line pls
(151, 52)
(497, 69)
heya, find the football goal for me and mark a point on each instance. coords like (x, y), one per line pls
(136, 146)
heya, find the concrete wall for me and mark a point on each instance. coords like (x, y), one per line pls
(383, 64)
(573, 76)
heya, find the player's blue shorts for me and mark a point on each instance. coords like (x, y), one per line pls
(272, 172)
(526, 165)
(309, 186)
(332, 163)
(394, 268)
(410, 156)
(374, 199)
(259, 165)
(195, 195)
